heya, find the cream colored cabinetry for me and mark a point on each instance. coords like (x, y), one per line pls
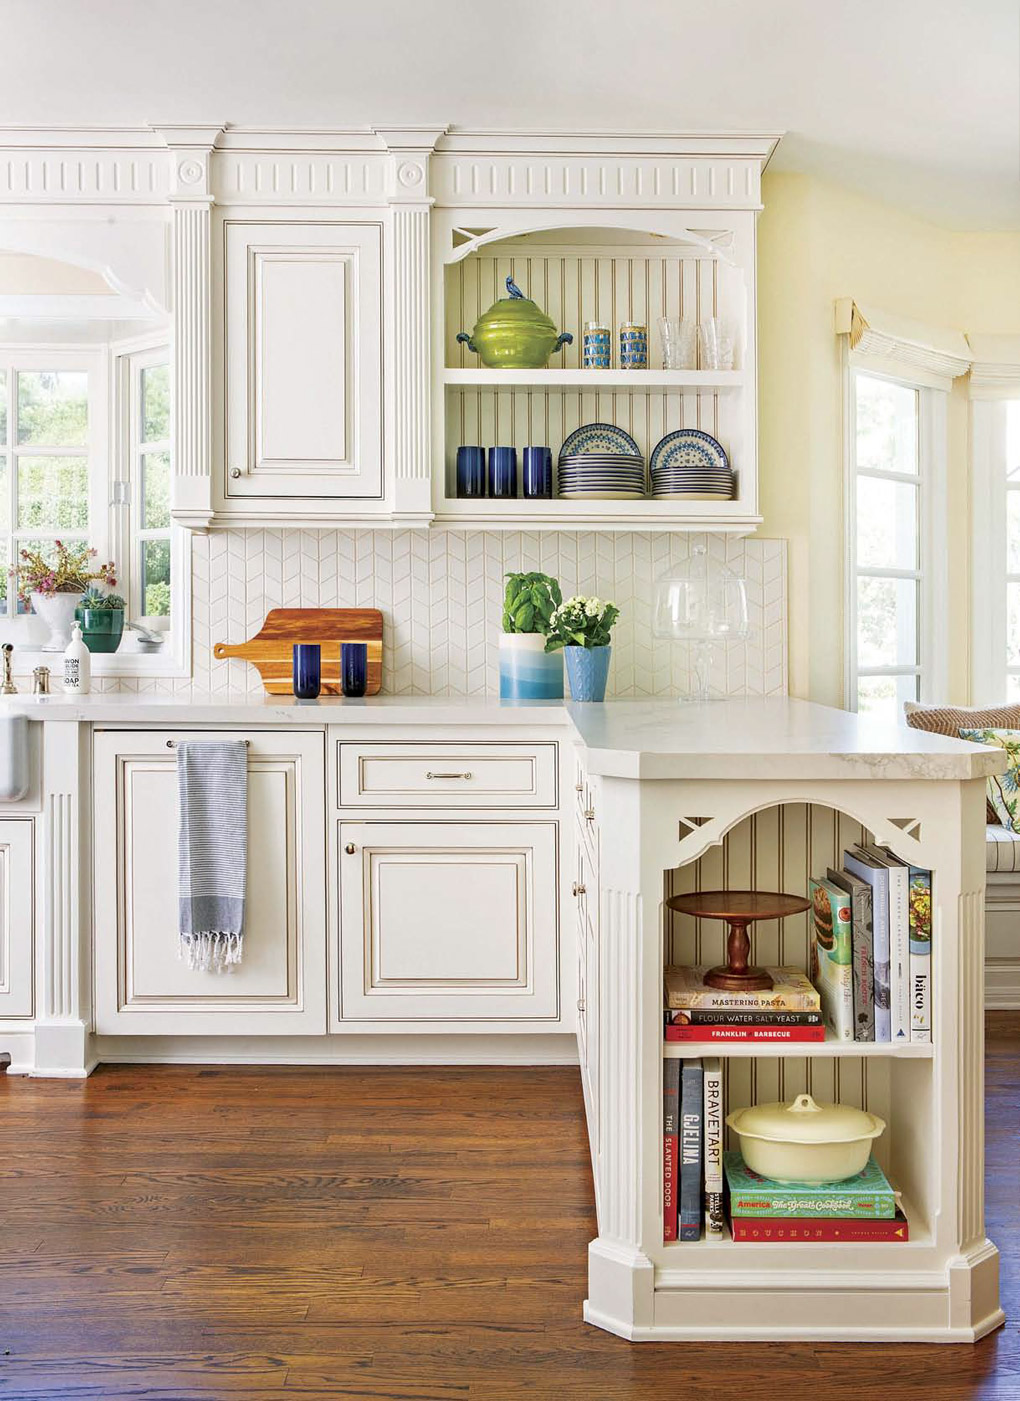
(17, 917)
(141, 987)
(448, 921)
(301, 359)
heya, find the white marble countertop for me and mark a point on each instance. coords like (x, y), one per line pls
(654, 739)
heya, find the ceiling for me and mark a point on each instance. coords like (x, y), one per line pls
(914, 102)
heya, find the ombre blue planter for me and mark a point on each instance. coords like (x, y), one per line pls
(587, 672)
(526, 670)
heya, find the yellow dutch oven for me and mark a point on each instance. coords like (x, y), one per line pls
(805, 1141)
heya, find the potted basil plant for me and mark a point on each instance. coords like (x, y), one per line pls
(102, 620)
(582, 627)
(526, 670)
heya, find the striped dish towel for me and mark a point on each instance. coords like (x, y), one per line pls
(212, 791)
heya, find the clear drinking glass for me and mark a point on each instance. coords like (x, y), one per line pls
(717, 342)
(679, 338)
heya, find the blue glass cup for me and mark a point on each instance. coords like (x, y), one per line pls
(536, 476)
(470, 472)
(353, 668)
(502, 472)
(307, 670)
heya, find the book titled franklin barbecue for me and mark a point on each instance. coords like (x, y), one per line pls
(867, 1196)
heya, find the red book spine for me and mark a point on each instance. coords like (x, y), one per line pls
(826, 1229)
(670, 1147)
(745, 1033)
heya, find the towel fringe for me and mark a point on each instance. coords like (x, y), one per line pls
(211, 950)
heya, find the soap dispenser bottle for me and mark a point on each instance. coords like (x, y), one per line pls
(77, 665)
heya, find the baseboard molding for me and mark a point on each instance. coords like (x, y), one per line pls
(1002, 985)
(406, 1049)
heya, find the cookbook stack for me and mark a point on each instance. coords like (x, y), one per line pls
(789, 1011)
(861, 1208)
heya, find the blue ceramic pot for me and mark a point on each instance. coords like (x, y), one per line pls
(588, 672)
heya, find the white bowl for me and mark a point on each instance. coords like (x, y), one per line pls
(805, 1141)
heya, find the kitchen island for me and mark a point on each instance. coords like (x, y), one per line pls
(437, 880)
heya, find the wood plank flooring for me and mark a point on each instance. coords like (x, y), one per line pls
(192, 1234)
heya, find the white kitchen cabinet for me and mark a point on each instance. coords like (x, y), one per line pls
(17, 917)
(141, 986)
(433, 774)
(448, 921)
(302, 363)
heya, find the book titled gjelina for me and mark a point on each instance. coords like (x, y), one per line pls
(691, 1110)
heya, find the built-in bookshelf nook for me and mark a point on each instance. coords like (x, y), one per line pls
(610, 275)
(783, 847)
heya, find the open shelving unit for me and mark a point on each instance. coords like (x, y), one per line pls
(578, 272)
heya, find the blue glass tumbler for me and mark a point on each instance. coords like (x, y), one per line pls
(307, 670)
(537, 472)
(354, 668)
(470, 472)
(502, 472)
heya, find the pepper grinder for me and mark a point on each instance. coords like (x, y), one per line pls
(8, 688)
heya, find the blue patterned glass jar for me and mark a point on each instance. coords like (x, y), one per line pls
(307, 670)
(633, 346)
(588, 672)
(596, 346)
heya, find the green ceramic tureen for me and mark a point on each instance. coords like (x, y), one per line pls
(514, 334)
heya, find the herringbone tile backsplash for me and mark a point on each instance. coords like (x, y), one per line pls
(441, 592)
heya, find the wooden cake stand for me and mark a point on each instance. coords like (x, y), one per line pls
(738, 908)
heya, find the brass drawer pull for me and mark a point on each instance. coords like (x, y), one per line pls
(579, 889)
(589, 814)
(430, 774)
(172, 743)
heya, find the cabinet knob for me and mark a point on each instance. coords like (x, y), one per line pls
(589, 814)
(579, 889)
(235, 472)
(350, 848)
(578, 787)
(580, 1004)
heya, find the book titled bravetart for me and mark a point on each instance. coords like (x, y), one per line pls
(713, 1140)
(867, 1196)
(791, 991)
(828, 1229)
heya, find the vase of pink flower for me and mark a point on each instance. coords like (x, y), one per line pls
(54, 583)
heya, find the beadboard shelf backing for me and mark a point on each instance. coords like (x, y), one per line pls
(610, 276)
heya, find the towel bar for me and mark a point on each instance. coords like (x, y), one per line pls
(172, 743)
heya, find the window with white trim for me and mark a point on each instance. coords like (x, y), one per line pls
(996, 550)
(895, 445)
(148, 438)
(52, 456)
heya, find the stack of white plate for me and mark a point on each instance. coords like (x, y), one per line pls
(692, 465)
(596, 476)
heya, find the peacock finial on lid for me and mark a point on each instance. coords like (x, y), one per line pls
(516, 294)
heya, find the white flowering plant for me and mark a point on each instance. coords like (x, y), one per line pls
(581, 622)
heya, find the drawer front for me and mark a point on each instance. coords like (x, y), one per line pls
(444, 776)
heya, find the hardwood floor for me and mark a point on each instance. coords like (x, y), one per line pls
(182, 1233)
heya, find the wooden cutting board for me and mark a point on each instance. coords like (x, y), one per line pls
(271, 649)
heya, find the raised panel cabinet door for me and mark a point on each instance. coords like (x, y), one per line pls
(302, 350)
(17, 917)
(448, 921)
(142, 986)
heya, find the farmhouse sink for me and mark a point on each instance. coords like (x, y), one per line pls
(13, 757)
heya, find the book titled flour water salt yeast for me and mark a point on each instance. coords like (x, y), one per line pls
(700, 1181)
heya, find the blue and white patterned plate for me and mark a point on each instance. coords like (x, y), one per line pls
(599, 437)
(689, 447)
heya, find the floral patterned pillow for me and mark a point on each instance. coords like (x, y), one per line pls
(1003, 788)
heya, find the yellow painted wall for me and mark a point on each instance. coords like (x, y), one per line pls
(818, 242)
